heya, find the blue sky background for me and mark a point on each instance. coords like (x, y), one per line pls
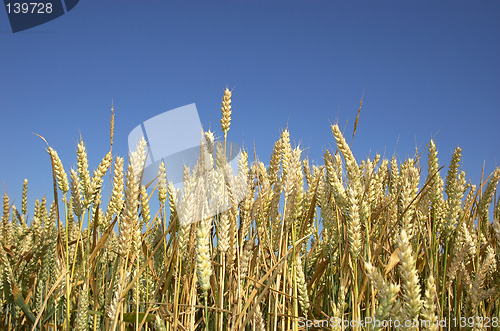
(429, 69)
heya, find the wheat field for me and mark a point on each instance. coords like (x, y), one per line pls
(345, 245)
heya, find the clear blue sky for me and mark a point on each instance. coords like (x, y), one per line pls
(428, 69)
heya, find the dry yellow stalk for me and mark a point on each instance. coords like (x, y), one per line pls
(226, 112)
